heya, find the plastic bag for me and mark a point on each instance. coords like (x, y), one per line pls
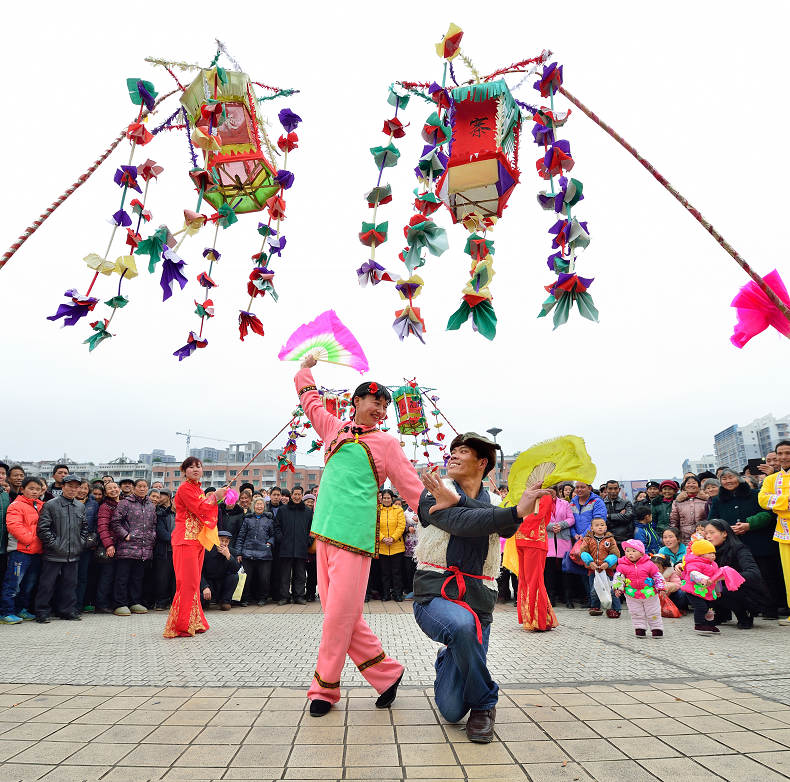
(603, 588)
(575, 552)
(240, 586)
(569, 566)
(668, 609)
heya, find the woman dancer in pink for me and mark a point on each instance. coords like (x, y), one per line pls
(359, 458)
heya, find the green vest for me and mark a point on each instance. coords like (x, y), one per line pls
(346, 511)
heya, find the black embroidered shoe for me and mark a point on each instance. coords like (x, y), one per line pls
(319, 708)
(387, 698)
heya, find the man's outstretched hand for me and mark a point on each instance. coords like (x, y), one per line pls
(531, 495)
(445, 497)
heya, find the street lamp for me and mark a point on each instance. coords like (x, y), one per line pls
(494, 431)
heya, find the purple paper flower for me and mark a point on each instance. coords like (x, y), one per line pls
(264, 229)
(277, 245)
(408, 289)
(121, 219)
(542, 134)
(211, 254)
(284, 178)
(171, 272)
(126, 176)
(186, 351)
(373, 273)
(288, 120)
(80, 306)
(145, 96)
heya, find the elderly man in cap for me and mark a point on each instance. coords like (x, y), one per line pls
(455, 587)
(63, 531)
(220, 575)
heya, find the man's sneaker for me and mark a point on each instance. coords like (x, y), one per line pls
(26, 616)
(708, 629)
(122, 611)
(138, 609)
(89, 610)
(10, 619)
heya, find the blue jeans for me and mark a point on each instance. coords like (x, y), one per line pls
(594, 601)
(462, 678)
(20, 579)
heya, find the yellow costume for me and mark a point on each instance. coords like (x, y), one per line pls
(775, 496)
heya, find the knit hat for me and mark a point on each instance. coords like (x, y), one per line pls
(700, 547)
(673, 484)
(637, 544)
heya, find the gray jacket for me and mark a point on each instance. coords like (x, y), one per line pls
(63, 529)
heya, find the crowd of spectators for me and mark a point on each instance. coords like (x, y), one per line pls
(69, 546)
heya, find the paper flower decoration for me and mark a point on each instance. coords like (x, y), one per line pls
(205, 141)
(153, 247)
(556, 160)
(171, 272)
(373, 273)
(450, 44)
(289, 120)
(99, 264)
(288, 143)
(550, 81)
(482, 313)
(756, 312)
(141, 92)
(149, 170)
(117, 302)
(205, 281)
(248, 321)
(381, 194)
(569, 194)
(386, 156)
(193, 343)
(121, 219)
(100, 334)
(411, 288)
(139, 134)
(423, 233)
(125, 266)
(204, 309)
(408, 321)
(373, 234)
(394, 127)
(276, 207)
(426, 203)
(284, 178)
(79, 307)
(226, 216)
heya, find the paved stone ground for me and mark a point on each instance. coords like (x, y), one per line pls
(109, 699)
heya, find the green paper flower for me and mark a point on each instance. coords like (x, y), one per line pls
(385, 157)
(117, 302)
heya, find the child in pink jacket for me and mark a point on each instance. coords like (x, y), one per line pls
(640, 580)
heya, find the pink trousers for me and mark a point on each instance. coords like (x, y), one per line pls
(342, 581)
(645, 613)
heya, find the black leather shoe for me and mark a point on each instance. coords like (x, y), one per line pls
(43, 620)
(398, 598)
(319, 708)
(284, 602)
(387, 698)
(75, 617)
(480, 725)
(300, 601)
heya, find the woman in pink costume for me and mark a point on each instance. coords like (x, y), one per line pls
(359, 458)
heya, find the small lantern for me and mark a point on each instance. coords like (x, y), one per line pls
(222, 108)
(409, 410)
(482, 171)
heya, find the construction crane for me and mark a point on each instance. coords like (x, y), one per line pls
(188, 434)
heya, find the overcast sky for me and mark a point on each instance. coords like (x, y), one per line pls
(698, 88)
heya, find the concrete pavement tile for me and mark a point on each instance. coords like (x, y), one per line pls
(697, 744)
(11, 747)
(372, 772)
(370, 734)
(234, 719)
(76, 773)
(48, 752)
(645, 747)
(680, 709)
(387, 755)
(89, 701)
(124, 734)
(612, 728)
(782, 735)
(77, 732)
(653, 696)
(178, 692)
(554, 772)
(258, 773)
(182, 717)
(409, 701)
(124, 701)
(433, 772)
(778, 761)
(189, 773)
(98, 755)
(314, 734)
(418, 734)
(663, 726)
(46, 701)
(538, 699)
(551, 714)
(245, 704)
(135, 774)
(511, 715)
(103, 717)
(58, 714)
(510, 771)
(754, 721)
(208, 755)
(583, 750)
(287, 692)
(22, 772)
(557, 730)
(322, 773)
(618, 769)
(737, 768)
(154, 755)
(746, 741)
(711, 723)
(277, 755)
(536, 751)
(216, 692)
(759, 704)
(170, 703)
(199, 703)
(721, 706)
(281, 718)
(420, 717)
(574, 699)
(632, 711)
(21, 714)
(479, 754)
(173, 734)
(31, 731)
(263, 734)
(375, 717)
(615, 698)
(513, 731)
(145, 717)
(673, 769)
(222, 735)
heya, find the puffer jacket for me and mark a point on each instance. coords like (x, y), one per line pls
(104, 519)
(392, 524)
(619, 518)
(62, 529)
(599, 551)
(22, 520)
(256, 536)
(687, 513)
(292, 530)
(134, 517)
(165, 524)
(661, 511)
(640, 579)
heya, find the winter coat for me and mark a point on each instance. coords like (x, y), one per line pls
(465, 536)
(648, 535)
(732, 553)
(62, 529)
(103, 520)
(230, 520)
(774, 497)
(620, 518)
(392, 524)
(292, 530)
(640, 579)
(741, 504)
(686, 514)
(661, 511)
(593, 508)
(216, 567)
(706, 567)
(600, 550)
(560, 542)
(673, 558)
(256, 536)
(134, 517)
(22, 521)
(165, 524)
(91, 514)
(5, 501)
